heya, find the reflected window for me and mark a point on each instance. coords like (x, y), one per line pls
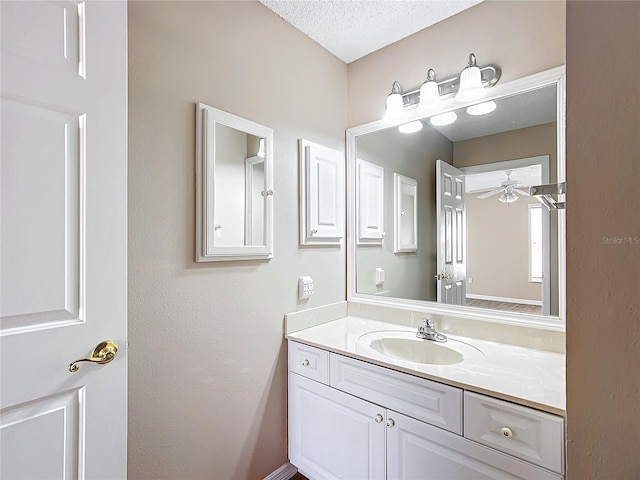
(535, 243)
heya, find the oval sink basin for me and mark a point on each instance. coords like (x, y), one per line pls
(403, 345)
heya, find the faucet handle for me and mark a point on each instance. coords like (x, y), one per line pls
(427, 323)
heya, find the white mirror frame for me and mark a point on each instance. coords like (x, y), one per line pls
(554, 76)
(206, 250)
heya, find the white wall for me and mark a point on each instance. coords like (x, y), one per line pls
(207, 372)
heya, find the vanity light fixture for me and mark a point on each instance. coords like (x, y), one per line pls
(411, 127)
(482, 108)
(429, 93)
(395, 103)
(443, 119)
(469, 85)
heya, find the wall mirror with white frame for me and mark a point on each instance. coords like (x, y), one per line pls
(234, 193)
(507, 249)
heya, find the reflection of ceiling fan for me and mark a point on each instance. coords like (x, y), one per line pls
(508, 188)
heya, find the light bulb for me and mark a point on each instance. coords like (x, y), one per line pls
(470, 87)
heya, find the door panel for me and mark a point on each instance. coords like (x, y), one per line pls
(63, 228)
(451, 219)
(50, 426)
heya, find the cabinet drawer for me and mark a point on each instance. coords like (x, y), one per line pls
(432, 402)
(523, 432)
(309, 362)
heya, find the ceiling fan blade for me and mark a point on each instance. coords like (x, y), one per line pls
(521, 192)
(490, 194)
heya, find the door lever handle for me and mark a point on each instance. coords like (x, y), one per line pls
(103, 353)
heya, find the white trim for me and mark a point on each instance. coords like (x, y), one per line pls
(554, 76)
(285, 472)
(491, 298)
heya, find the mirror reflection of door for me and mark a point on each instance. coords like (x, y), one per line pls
(451, 231)
(238, 200)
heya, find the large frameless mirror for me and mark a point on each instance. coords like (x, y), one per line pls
(484, 245)
(234, 205)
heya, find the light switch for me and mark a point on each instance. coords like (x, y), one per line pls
(470, 280)
(305, 287)
(379, 276)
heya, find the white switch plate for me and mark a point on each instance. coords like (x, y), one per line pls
(379, 276)
(470, 280)
(305, 287)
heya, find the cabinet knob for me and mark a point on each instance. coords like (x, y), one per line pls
(390, 423)
(378, 418)
(305, 363)
(506, 432)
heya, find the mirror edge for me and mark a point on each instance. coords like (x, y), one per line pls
(206, 118)
(553, 76)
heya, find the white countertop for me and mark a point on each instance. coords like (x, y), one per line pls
(522, 375)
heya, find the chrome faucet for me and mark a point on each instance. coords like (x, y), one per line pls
(427, 331)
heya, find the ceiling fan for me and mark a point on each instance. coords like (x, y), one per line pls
(508, 188)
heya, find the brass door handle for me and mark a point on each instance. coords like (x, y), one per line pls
(103, 353)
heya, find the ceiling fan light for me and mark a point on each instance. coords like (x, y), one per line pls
(410, 127)
(443, 119)
(509, 197)
(482, 108)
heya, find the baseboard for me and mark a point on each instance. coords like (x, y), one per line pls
(504, 299)
(285, 472)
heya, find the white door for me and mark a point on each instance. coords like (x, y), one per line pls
(333, 435)
(452, 226)
(63, 236)
(418, 451)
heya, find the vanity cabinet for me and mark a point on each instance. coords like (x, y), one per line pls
(362, 421)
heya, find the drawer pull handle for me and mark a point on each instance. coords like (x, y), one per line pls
(305, 363)
(506, 432)
(378, 418)
(390, 423)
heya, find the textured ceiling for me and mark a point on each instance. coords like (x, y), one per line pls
(351, 29)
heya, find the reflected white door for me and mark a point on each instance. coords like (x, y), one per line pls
(452, 226)
(63, 236)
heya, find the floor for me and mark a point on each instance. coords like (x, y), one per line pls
(508, 307)
(299, 476)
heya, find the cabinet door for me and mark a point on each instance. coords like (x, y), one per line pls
(416, 450)
(321, 194)
(333, 435)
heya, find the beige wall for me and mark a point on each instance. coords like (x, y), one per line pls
(407, 275)
(523, 37)
(603, 279)
(512, 145)
(521, 143)
(498, 248)
(207, 373)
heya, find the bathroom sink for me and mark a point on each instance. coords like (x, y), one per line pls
(404, 345)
